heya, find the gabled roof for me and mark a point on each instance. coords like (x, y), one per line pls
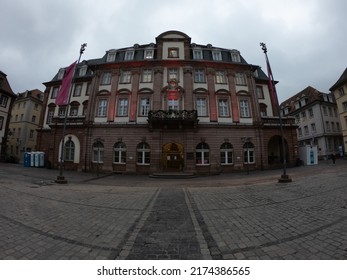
(309, 93)
(5, 85)
(342, 80)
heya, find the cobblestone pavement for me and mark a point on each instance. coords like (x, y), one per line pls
(230, 216)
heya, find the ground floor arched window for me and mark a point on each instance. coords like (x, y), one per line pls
(98, 152)
(248, 153)
(226, 153)
(120, 152)
(69, 150)
(202, 154)
(143, 153)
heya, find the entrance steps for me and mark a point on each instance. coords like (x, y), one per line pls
(173, 175)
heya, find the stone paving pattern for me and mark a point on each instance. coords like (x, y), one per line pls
(230, 216)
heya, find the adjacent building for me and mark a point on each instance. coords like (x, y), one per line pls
(25, 119)
(7, 98)
(339, 90)
(172, 105)
(317, 118)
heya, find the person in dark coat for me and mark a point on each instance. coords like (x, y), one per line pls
(333, 158)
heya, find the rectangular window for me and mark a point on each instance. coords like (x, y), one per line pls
(149, 54)
(146, 76)
(61, 111)
(111, 57)
(173, 53)
(260, 92)
(145, 106)
(102, 108)
(325, 112)
(82, 71)
(50, 115)
(106, 78)
(173, 104)
(306, 130)
(223, 108)
(201, 106)
(77, 90)
(31, 134)
(220, 77)
(197, 54)
(126, 77)
(240, 79)
(313, 127)
(73, 111)
(327, 125)
(1, 122)
(300, 131)
(341, 92)
(217, 55)
(33, 119)
(244, 109)
(123, 107)
(310, 112)
(54, 92)
(129, 55)
(235, 56)
(199, 76)
(172, 74)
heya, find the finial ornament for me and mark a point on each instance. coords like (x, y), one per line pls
(83, 47)
(263, 47)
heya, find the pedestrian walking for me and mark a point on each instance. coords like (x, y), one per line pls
(333, 158)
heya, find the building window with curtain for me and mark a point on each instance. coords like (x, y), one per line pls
(145, 106)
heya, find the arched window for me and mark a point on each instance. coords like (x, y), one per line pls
(98, 152)
(120, 152)
(143, 153)
(226, 153)
(202, 154)
(248, 153)
(69, 150)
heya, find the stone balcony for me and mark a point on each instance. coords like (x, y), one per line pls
(173, 119)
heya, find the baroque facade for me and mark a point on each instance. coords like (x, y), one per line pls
(166, 106)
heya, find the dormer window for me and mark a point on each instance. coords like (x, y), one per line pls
(83, 71)
(111, 56)
(61, 73)
(149, 54)
(217, 55)
(173, 53)
(129, 55)
(197, 54)
(235, 56)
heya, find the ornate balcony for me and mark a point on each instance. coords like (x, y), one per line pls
(173, 119)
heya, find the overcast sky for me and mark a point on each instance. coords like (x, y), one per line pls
(306, 39)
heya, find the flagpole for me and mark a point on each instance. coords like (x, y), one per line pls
(284, 177)
(60, 178)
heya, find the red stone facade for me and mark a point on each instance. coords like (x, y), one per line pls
(172, 106)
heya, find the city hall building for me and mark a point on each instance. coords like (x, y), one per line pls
(168, 106)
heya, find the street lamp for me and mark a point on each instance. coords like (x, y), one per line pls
(284, 177)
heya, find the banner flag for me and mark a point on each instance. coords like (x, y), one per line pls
(273, 93)
(64, 91)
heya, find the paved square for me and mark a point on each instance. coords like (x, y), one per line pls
(230, 216)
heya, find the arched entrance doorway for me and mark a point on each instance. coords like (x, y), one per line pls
(275, 153)
(173, 157)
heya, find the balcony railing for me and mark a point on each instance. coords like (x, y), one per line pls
(276, 121)
(173, 119)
